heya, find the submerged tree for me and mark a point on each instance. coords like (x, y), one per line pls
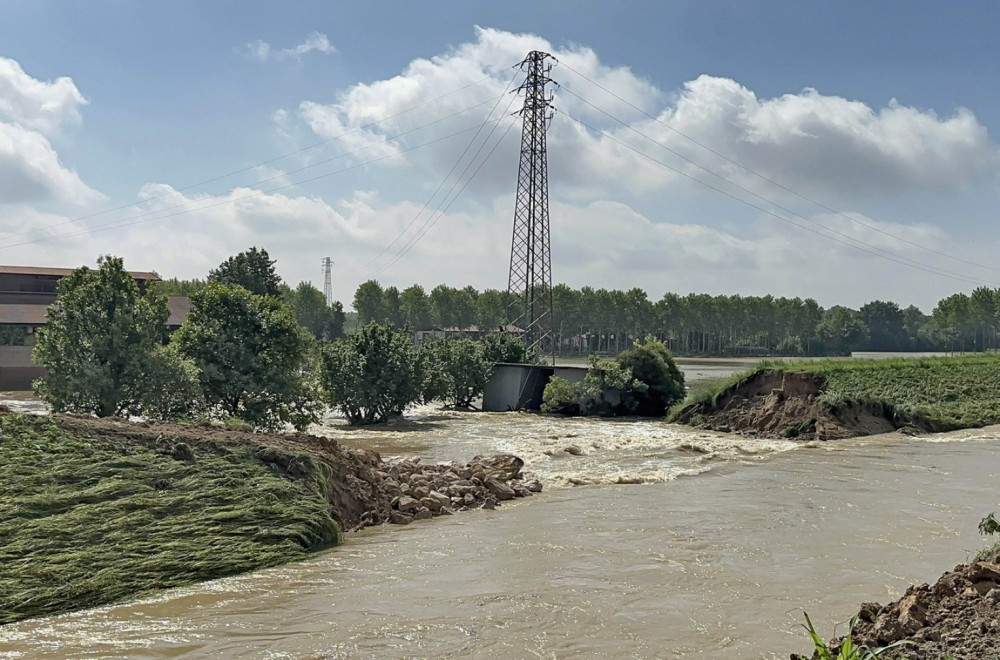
(252, 357)
(102, 347)
(370, 375)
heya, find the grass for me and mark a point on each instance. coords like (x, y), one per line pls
(86, 522)
(941, 393)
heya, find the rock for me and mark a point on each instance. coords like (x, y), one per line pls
(993, 595)
(521, 491)
(912, 613)
(430, 503)
(490, 504)
(421, 492)
(501, 490)
(507, 465)
(407, 503)
(983, 570)
(446, 511)
(573, 450)
(869, 611)
(534, 485)
(469, 499)
(441, 498)
(423, 513)
(397, 518)
(984, 587)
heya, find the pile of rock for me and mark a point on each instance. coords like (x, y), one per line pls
(958, 617)
(420, 491)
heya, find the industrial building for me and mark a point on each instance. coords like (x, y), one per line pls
(25, 294)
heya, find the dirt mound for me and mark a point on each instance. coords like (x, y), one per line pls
(778, 404)
(362, 489)
(958, 617)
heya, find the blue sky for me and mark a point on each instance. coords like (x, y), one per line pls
(886, 113)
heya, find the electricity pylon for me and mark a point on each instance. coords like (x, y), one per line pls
(529, 285)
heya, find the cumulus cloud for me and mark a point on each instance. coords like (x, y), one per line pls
(315, 42)
(35, 104)
(30, 111)
(816, 144)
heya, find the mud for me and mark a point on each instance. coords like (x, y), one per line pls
(777, 404)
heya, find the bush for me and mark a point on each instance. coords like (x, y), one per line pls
(651, 364)
(371, 374)
(172, 387)
(506, 347)
(252, 357)
(100, 342)
(453, 370)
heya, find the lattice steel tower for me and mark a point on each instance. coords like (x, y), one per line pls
(529, 285)
(328, 280)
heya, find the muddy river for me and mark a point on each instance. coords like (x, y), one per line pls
(651, 541)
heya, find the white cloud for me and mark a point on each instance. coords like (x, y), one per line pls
(258, 50)
(819, 145)
(34, 104)
(316, 42)
(30, 170)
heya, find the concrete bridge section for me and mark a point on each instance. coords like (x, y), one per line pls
(520, 386)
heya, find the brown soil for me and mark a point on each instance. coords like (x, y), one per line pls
(958, 618)
(776, 404)
(362, 489)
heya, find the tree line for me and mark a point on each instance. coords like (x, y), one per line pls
(589, 320)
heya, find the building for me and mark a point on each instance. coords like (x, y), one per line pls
(25, 293)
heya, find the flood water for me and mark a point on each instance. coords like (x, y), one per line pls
(714, 555)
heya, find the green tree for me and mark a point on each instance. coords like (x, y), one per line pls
(885, 326)
(842, 330)
(100, 343)
(369, 303)
(324, 322)
(253, 270)
(457, 371)
(415, 308)
(506, 347)
(371, 374)
(252, 357)
(651, 364)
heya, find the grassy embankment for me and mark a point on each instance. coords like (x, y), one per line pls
(88, 521)
(942, 393)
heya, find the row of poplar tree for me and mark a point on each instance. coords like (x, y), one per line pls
(589, 320)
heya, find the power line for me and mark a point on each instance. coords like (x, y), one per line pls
(429, 224)
(121, 222)
(446, 177)
(754, 194)
(266, 162)
(772, 181)
(145, 216)
(862, 247)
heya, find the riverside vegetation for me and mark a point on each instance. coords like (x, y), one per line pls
(95, 510)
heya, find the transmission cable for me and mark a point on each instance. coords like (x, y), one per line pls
(772, 181)
(263, 163)
(127, 221)
(861, 247)
(146, 217)
(446, 177)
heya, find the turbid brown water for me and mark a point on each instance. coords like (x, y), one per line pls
(715, 558)
(715, 555)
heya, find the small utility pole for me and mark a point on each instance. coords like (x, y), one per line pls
(529, 285)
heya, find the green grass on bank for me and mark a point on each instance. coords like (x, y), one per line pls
(85, 522)
(945, 392)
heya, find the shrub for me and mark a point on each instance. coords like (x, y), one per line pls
(506, 347)
(662, 383)
(252, 357)
(100, 342)
(371, 374)
(453, 370)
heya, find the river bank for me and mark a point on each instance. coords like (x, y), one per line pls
(96, 511)
(833, 399)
